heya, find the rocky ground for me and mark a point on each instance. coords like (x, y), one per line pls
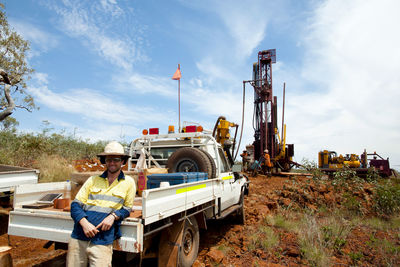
(290, 221)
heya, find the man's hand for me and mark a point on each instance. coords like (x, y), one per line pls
(88, 228)
(106, 223)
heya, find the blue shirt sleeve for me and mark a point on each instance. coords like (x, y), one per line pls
(122, 213)
(77, 212)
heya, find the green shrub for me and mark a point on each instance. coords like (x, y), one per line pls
(265, 238)
(387, 198)
(344, 174)
(372, 175)
(355, 257)
(352, 204)
(312, 167)
(22, 149)
(280, 221)
(269, 238)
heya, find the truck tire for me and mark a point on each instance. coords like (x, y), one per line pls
(213, 167)
(189, 159)
(190, 243)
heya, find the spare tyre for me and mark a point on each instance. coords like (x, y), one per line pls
(189, 159)
(213, 167)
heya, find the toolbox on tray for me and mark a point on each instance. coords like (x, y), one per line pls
(154, 180)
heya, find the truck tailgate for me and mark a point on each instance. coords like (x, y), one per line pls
(11, 176)
(57, 226)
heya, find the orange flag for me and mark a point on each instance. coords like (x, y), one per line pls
(177, 74)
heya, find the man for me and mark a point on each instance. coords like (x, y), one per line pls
(98, 209)
(245, 160)
(267, 162)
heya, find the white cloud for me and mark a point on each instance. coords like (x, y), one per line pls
(93, 28)
(144, 84)
(93, 105)
(111, 7)
(213, 70)
(42, 40)
(246, 22)
(352, 61)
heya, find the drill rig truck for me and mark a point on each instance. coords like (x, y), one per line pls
(265, 116)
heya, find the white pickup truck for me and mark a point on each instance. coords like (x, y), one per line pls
(12, 176)
(165, 221)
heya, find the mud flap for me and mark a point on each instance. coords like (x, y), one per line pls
(170, 244)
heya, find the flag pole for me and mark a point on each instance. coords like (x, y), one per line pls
(177, 76)
(179, 103)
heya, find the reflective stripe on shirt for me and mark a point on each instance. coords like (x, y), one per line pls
(107, 198)
(98, 209)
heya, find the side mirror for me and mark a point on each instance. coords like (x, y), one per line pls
(236, 169)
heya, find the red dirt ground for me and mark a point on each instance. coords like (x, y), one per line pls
(226, 244)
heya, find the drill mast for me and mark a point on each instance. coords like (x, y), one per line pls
(265, 105)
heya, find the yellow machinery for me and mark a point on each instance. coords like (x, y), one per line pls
(282, 147)
(221, 130)
(222, 135)
(330, 160)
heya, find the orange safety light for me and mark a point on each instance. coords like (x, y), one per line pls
(153, 130)
(199, 128)
(171, 129)
(145, 132)
(191, 129)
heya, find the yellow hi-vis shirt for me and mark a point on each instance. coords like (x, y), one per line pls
(97, 199)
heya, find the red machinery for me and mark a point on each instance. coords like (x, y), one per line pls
(265, 121)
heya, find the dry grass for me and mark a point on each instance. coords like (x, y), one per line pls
(53, 168)
(311, 242)
(264, 238)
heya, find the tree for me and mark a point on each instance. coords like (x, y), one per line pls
(14, 70)
(9, 124)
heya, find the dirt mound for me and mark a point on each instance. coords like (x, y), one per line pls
(91, 165)
(269, 238)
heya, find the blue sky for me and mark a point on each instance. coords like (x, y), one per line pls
(104, 68)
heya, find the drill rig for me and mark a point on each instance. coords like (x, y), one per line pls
(265, 122)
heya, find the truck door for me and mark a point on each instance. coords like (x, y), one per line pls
(231, 189)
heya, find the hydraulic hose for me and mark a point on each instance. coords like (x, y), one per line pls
(241, 130)
(216, 125)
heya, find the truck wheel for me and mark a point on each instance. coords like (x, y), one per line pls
(213, 167)
(189, 159)
(190, 243)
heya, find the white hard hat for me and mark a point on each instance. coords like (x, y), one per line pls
(113, 149)
(266, 151)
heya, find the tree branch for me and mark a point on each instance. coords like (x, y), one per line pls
(4, 77)
(5, 52)
(11, 104)
(24, 108)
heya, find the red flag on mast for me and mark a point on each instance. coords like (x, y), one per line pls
(177, 74)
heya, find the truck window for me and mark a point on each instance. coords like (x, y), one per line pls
(160, 154)
(224, 165)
